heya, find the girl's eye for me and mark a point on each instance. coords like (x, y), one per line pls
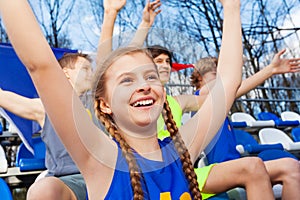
(152, 77)
(126, 80)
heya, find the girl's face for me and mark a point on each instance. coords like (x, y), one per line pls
(164, 67)
(134, 94)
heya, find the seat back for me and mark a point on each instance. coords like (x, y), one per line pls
(39, 151)
(290, 116)
(39, 148)
(22, 152)
(244, 138)
(267, 116)
(241, 117)
(5, 192)
(273, 136)
(296, 134)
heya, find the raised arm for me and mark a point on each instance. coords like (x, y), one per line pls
(190, 102)
(24, 107)
(277, 66)
(111, 10)
(149, 13)
(200, 129)
(67, 114)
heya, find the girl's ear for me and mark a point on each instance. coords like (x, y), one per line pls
(104, 107)
(65, 70)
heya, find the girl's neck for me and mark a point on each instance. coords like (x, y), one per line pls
(147, 147)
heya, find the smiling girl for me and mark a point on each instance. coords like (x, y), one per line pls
(129, 98)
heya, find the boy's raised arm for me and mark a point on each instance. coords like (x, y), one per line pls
(278, 65)
(111, 10)
(149, 13)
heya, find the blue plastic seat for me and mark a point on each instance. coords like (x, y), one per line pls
(239, 124)
(5, 192)
(296, 134)
(250, 145)
(27, 161)
(275, 154)
(278, 122)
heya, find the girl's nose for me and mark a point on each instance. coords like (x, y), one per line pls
(143, 86)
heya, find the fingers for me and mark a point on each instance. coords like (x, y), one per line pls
(294, 64)
(295, 61)
(155, 5)
(295, 70)
(281, 52)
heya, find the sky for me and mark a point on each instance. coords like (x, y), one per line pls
(85, 33)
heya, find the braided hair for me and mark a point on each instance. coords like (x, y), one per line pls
(185, 157)
(135, 175)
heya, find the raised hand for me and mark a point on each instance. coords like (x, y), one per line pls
(150, 11)
(114, 4)
(230, 2)
(283, 65)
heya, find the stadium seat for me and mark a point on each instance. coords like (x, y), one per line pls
(290, 116)
(27, 161)
(5, 192)
(296, 134)
(275, 154)
(273, 136)
(250, 121)
(278, 122)
(3, 161)
(246, 144)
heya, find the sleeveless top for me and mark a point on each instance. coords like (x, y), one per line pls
(222, 146)
(177, 115)
(160, 179)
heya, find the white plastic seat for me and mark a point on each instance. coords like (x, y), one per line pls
(273, 136)
(251, 121)
(290, 116)
(3, 161)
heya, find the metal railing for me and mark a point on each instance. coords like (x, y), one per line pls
(272, 99)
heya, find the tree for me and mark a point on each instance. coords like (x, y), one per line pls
(53, 16)
(193, 29)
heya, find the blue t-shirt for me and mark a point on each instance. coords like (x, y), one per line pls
(160, 180)
(222, 147)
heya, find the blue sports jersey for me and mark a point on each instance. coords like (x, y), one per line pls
(222, 147)
(163, 180)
